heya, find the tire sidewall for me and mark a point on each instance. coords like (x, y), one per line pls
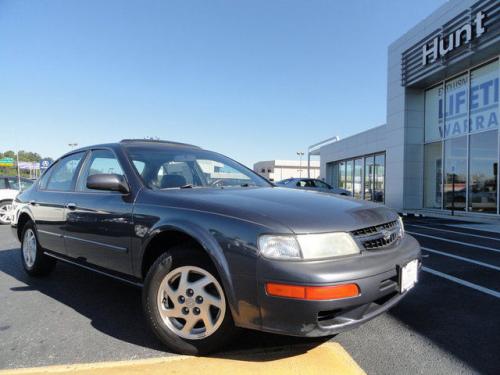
(164, 264)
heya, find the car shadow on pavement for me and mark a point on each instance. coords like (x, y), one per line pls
(459, 320)
(115, 309)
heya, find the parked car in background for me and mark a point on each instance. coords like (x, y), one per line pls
(9, 188)
(311, 184)
(214, 245)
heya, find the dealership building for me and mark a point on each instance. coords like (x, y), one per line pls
(277, 170)
(438, 149)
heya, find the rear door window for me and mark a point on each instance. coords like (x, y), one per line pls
(64, 173)
(305, 183)
(321, 184)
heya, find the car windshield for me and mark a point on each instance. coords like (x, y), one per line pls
(168, 168)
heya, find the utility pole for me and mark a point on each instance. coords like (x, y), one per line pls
(18, 171)
(300, 154)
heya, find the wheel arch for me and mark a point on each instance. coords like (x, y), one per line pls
(23, 218)
(186, 233)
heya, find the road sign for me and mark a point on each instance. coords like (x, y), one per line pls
(45, 163)
(6, 162)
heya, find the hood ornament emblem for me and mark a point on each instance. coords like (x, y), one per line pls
(386, 235)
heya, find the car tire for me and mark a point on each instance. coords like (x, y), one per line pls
(5, 208)
(35, 262)
(171, 312)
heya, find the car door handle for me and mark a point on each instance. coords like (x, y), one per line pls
(71, 206)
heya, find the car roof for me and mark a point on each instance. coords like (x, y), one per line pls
(153, 143)
(158, 142)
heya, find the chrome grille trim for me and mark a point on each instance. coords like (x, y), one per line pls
(378, 236)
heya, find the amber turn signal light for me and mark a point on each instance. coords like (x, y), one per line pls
(313, 293)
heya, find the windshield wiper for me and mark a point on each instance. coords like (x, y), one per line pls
(187, 186)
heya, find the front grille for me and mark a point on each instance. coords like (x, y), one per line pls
(375, 229)
(378, 236)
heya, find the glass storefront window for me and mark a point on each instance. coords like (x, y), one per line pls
(379, 178)
(341, 183)
(369, 178)
(434, 115)
(348, 175)
(464, 113)
(433, 174)
(332, 173)
(364, 177)
(455, 156)
(484, 98)
(483, 171)
(358, 178)
(456, 107)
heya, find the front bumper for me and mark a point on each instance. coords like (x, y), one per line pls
(375, 272)
(15, 219)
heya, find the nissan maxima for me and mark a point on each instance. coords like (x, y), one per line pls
(213, 245)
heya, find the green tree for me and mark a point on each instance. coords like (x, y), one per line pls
(29, 156)
(9, 154)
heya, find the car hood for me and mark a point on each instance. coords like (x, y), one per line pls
(299, 210)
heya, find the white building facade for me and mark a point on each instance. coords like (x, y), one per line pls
(439, 147)
(277, 170)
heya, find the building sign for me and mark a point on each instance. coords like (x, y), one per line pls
(439, 47)
(29, 165)
(6, 162)
(44, 164)
(459, 107)
(467, 37)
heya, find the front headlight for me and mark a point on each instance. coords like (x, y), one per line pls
(308, 246)
(279, 247)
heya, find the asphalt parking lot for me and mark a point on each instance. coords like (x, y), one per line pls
(448, 324)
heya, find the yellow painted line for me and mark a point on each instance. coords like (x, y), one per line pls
(328, 358)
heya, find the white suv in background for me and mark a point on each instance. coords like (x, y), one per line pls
(9, 188)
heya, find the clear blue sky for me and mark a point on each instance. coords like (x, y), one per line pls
(255, 80)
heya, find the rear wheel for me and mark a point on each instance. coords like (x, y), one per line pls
(185, 304)
(5, 212)
(35, 262)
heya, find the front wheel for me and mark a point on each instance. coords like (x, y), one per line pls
(35, 262)
(5, 212)
(185, 304)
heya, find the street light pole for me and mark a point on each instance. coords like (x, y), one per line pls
(18, 171)
(300, 154)
(72, 145)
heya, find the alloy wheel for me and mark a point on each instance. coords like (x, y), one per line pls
(29, 248)
(191, 302)
(5, 213)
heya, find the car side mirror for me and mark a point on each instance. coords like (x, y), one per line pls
(110, 182)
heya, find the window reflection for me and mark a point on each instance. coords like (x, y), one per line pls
(433, 174)
(483, 171)
(379, 178)
(341, 183)
(348, 175)
(455, 156)
(358, 178)
(369, 178)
